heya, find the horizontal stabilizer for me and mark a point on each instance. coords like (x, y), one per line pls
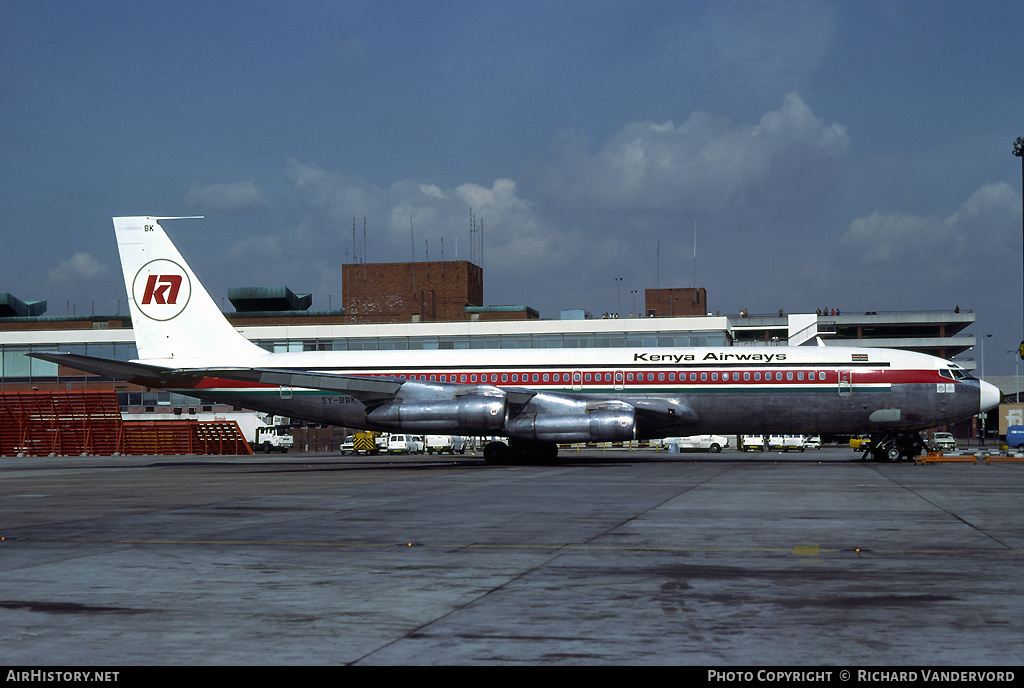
(149, 375)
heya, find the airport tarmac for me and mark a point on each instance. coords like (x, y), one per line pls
(602, 559)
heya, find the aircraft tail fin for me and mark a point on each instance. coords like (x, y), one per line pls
(173, 316)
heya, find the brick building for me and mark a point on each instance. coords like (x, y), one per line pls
(667, 303)
(436, 291)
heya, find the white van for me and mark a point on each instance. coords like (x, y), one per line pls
(405, 444)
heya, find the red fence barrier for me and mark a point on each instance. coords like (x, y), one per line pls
(89, 423)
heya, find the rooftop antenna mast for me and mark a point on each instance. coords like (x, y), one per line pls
(695, 299)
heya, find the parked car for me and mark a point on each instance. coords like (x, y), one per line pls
(812, 441)
(752, 442)
(942, 441)
(711, 443)
(860, 443)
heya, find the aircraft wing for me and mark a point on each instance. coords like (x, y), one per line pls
(368, 390)
(358, 387)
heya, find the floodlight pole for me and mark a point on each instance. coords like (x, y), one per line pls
(1018, 150)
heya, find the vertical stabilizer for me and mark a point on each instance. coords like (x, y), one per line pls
(173, 316)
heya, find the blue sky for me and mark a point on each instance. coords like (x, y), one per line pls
(843, 154)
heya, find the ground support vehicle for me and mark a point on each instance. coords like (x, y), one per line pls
(1015, 437)
(265, 433)
(890, 446)
(273, 438)
(445, 443)
(711, 443)
(752, 442)
(364, 443)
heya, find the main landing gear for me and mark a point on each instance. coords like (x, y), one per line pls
(520, 451)
(895, 446)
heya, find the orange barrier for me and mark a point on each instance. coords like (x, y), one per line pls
(184, 437)
(939, 457)
(60, 423)
(89, 423)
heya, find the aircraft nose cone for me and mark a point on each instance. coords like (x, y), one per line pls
(990, 396)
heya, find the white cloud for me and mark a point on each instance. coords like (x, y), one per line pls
(76, 268)
(707, 165)
(225, 197)
(984, 224)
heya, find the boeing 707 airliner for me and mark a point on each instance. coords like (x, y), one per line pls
(534, 398)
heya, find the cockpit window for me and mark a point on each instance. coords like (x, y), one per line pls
(954, 373)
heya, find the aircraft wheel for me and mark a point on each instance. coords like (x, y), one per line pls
(496, 453)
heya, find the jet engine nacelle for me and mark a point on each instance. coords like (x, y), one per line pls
(471, 414)
(600, 425)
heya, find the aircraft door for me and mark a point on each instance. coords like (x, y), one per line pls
(577, 380)
(619, 379)
(286, 392)
(845, 383)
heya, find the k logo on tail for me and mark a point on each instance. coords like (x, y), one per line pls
(161, 289)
